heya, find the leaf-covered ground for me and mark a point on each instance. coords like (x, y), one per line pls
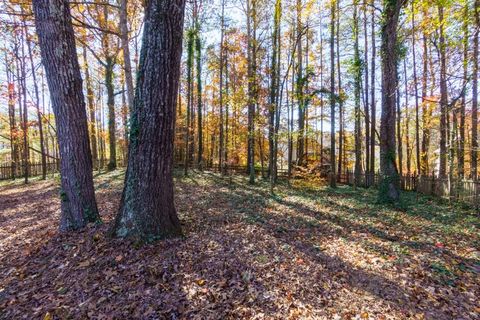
(309, 252)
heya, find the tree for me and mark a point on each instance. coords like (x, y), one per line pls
(144, 214)
(274, 93)
(357, 76)
(389, 185)
(252, 85)
(333, 179)
(474, 154)
(443, 94)
(59, 57)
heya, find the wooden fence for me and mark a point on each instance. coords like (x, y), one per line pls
(462, 190)
(466, 191)
(8, 171)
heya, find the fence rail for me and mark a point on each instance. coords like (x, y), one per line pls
(462, 190)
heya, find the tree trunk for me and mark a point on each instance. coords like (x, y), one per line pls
(333, 178)
(299, 89)
(144, 214)
(189, 124)
(474, 156)
(198, 54)
(112, 162)
(389, 186)
(367, 92)
(37, 105)
(443, 96)
(57, 44)
(274, 88)
(357, 76)
(91, 110)
(374, 102)
(426, 114)
(461, 141)
(415, 84)
(11, 119)
(221, 151)
(126, 52)
(252, 86)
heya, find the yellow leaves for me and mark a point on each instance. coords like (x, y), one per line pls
(48, 316)
(201, 282)
(364, 315)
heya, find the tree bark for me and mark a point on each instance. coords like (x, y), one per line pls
(443, 96)
(57, 44)
(333, 178)
(126, 52)
(389, 186)
(474, 155)
(374, 102)
(357, 78)
(144, 214)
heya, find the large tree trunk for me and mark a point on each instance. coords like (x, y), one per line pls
(145, 214)
(389, 187)
(57, 44)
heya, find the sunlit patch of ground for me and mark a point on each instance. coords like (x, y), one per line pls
(308, 252)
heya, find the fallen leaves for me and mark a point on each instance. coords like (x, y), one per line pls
(308, 253)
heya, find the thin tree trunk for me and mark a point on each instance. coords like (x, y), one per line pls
(221, 151)
(443, 96)
(299, 88)
(426, 114)
(374, 102)
(474, 155)
(188, 144)
(252, 83)
(198, 54)
(37, 105)
(357, 76)
(367, 95)
(333, 179)
(126, 51)
(112, 162)
(91, 110)
(415, 84)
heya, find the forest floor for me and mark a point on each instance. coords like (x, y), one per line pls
(309, 252)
